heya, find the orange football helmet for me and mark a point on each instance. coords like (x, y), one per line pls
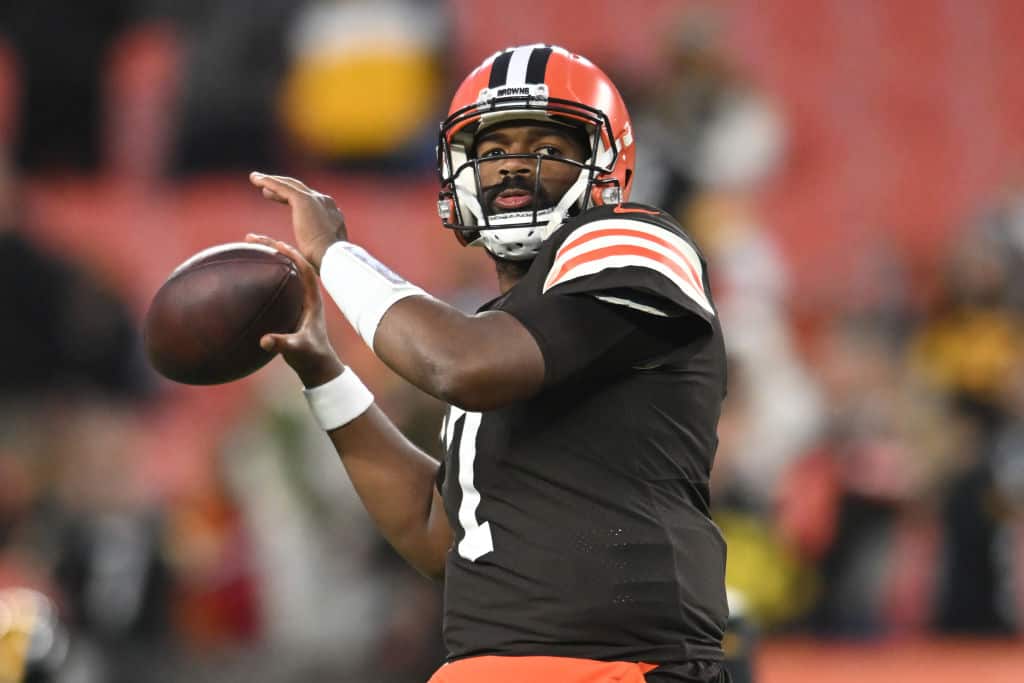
(532, 82)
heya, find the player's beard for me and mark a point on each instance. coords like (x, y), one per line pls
(538, 202)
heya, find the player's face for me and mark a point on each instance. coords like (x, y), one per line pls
(510, 183)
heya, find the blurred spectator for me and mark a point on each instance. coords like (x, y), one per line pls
(365, 80)
(107, 542)
(782, 402)
(328, 81)
(74, 333)
(216, 601)
(1007, 458)
(234, 65)
(702, 125)
(332, 602)
(768, 574)
(1002, 226)
(969, 350)
(707, 141)
(970, 340)
(61, 48)
(71, 380)
(886, 449)
(34, 643)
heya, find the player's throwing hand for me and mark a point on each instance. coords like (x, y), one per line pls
(316, 219)
(308, 350)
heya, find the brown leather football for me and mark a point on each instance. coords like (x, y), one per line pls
(205, 322)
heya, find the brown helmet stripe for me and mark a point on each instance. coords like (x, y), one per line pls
(499, 69)
(537, 65)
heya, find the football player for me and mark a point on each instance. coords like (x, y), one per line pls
(569, 518)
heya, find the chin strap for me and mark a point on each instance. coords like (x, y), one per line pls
(468, 199)
(570, 197)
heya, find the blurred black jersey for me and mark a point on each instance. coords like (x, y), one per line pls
(581, 515)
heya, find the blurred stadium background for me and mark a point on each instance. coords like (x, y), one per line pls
(853, 170)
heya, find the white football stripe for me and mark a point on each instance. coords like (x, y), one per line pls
(597, 265)
(671, 254)
(210, 251)
(625, 224)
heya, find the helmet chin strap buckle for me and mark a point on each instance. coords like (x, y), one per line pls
(611, 195)
(444, 209)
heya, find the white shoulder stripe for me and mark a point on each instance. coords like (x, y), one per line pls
(596, 244)
(625, 224)
(598, 264)
(583, 236)
(617, 243)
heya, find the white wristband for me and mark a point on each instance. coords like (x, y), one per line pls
(339, 401)
(362, 287)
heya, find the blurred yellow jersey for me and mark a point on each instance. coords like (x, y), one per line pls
(17, 620)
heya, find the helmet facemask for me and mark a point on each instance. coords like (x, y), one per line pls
(511, 234)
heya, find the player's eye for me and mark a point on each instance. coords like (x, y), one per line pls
(494, 152)
(550, 150)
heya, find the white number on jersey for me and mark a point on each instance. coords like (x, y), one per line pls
(476, 540)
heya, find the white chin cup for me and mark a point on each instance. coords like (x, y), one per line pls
(514, 244)
(520, 243)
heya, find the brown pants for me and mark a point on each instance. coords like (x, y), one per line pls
(540, 670)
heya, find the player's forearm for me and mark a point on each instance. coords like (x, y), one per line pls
(476, 362)
(394, 479)
(396, 482)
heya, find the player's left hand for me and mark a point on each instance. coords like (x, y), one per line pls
(316, 219)
(308, 349)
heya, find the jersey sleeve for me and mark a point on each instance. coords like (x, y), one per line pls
(442, 471)
(581, 336)
(633, 257)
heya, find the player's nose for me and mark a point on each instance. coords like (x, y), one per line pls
(516, 166)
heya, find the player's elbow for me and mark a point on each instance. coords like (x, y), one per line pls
(487, 373)
(469, 389)
(477, 387)
(435, 572)
(428, 561)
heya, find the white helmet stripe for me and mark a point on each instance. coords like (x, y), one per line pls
(520, 66)
(517, 66)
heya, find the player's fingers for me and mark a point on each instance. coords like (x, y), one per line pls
(310, 279)
(306, 270)
(288, 191)
(261, 239)
(287, 181)
(270, 194)
(269, 343)
(285, 344)
(293, 182)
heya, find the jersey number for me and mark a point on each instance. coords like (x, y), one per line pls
(476, 540)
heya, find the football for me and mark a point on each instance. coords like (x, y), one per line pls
(205, 322)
